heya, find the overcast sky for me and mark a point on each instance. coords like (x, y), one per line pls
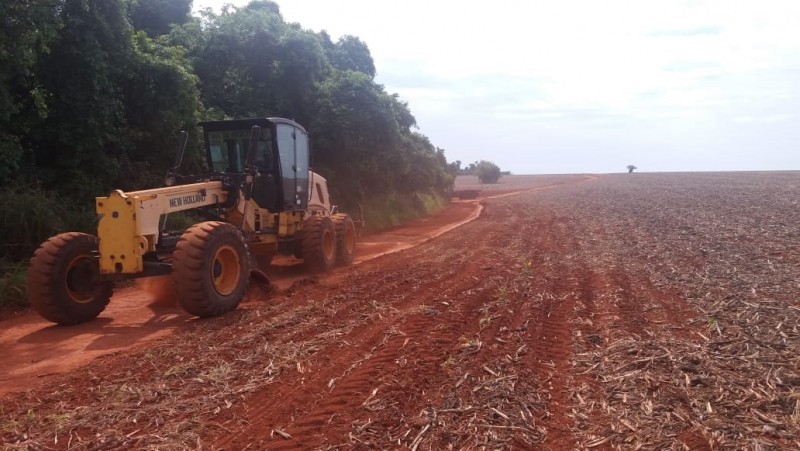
(586, 86)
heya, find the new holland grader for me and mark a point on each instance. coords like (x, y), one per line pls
(259, 198)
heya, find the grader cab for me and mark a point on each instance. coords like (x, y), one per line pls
(259, 199)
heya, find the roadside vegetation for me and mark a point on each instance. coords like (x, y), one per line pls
(93, 94)
(487, 171)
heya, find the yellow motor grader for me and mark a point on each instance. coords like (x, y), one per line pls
(259, 199)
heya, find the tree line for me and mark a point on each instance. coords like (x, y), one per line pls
(93, 94)
(487, 171)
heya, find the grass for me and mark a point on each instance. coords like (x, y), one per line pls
(12, 287)
(30, 215)
(394, 209)
(182, 220)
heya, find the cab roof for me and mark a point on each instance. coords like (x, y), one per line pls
(247, 123)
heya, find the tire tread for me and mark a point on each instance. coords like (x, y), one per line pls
(190, 271)
(342, 222)
(312, 234)
(47, 269)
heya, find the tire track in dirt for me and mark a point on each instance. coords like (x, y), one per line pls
(409, 343)
(578, 311)
(551, 318)
(448, 348)
(618, 303)
(421, 343)
(368, 347)
(348, 389)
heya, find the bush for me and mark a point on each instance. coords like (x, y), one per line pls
(30, 215)
(487, 172)
(182, 220)
(12, 286)
(394, 209)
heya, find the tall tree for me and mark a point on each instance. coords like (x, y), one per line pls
(155, 17)
(161, 98)
(27, 30)
(351, 53)
(236, 59)
(115, 98)
(83, 136)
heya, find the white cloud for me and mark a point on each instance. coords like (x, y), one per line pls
(584, 78)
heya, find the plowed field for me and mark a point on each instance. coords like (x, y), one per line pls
(653, 311)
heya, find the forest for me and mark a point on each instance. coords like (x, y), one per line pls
(94, 94)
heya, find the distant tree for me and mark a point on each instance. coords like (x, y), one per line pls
(487, 172)
(631, 168)
(469, 169)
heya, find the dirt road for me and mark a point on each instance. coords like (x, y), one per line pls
(653, 311)
(33, 348)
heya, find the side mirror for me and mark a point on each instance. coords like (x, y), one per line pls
(173, 171)
(181, 150)
(252, 150)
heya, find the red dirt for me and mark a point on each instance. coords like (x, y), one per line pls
(614, 314)
(33, 348)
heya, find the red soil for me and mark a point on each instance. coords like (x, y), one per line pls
(575, 315)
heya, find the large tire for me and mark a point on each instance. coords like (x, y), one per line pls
(319, 243)
(211, 268)
(63, 279)
(297, 248)
(345, 239)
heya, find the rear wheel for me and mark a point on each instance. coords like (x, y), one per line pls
(319, 243)
(63, 279)
(297, 248)
(345, 238)
(211, 268)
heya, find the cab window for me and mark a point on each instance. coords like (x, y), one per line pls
(228, 150)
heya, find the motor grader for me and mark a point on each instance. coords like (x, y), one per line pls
(258, 199)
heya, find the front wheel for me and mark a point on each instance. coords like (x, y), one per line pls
(63, 279)
(211, 268)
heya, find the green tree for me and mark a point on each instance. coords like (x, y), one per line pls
(161, 98)
(355, 118)
(86, 105)
(93, 92)
(631, 168)
(80, 143)
(27, 33)
(114, 97)
(155, 17)
(251, 63)
(487, 171)
(351, 53)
